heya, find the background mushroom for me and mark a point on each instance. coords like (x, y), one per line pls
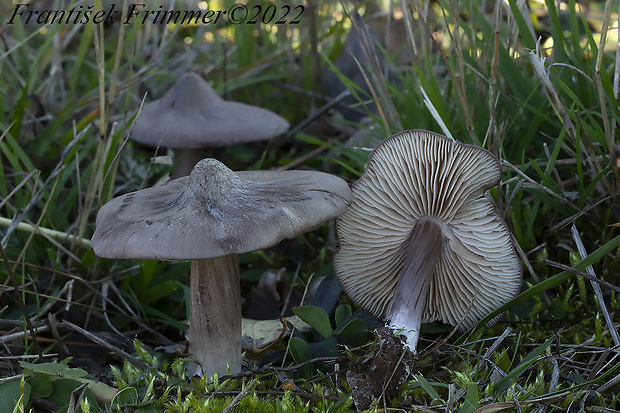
(209, 218)
(420, 242)
(191, 116)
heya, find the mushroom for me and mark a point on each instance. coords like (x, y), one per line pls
(420, 241)
(191, 116)
(362, 47)
(209, 217)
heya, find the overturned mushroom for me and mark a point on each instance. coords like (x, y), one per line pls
(209, 218)
(191, 116)
(420, 242)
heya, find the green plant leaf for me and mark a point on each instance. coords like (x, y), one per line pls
(325, 348)
(102, 391)
(53, 369)
(161, 290)
(355, 332)
(343, 312)
(165, 318)
(299, 350)
(526, 35)
(63, 389)
(41, 385)
(316, 318)
(428, 388)
(472, 400)
(10, 392)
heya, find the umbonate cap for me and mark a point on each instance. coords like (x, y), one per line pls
(216, 212)
(192, 115)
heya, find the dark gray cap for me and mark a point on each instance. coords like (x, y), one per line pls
(192, 115)
(216, 212)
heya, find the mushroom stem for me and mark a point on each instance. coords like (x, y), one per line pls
(185, 160)
(215, 316)
(409, 300)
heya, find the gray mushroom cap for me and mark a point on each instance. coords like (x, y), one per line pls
(216, 212)
(419, 174)
(192, 115)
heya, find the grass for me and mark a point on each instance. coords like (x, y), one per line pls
(534, 83)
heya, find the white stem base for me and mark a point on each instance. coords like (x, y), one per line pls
(414, 281)
(412, 335)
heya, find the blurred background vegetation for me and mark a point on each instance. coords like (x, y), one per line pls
(534, 82)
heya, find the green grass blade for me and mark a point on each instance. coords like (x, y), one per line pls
(502, 384)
